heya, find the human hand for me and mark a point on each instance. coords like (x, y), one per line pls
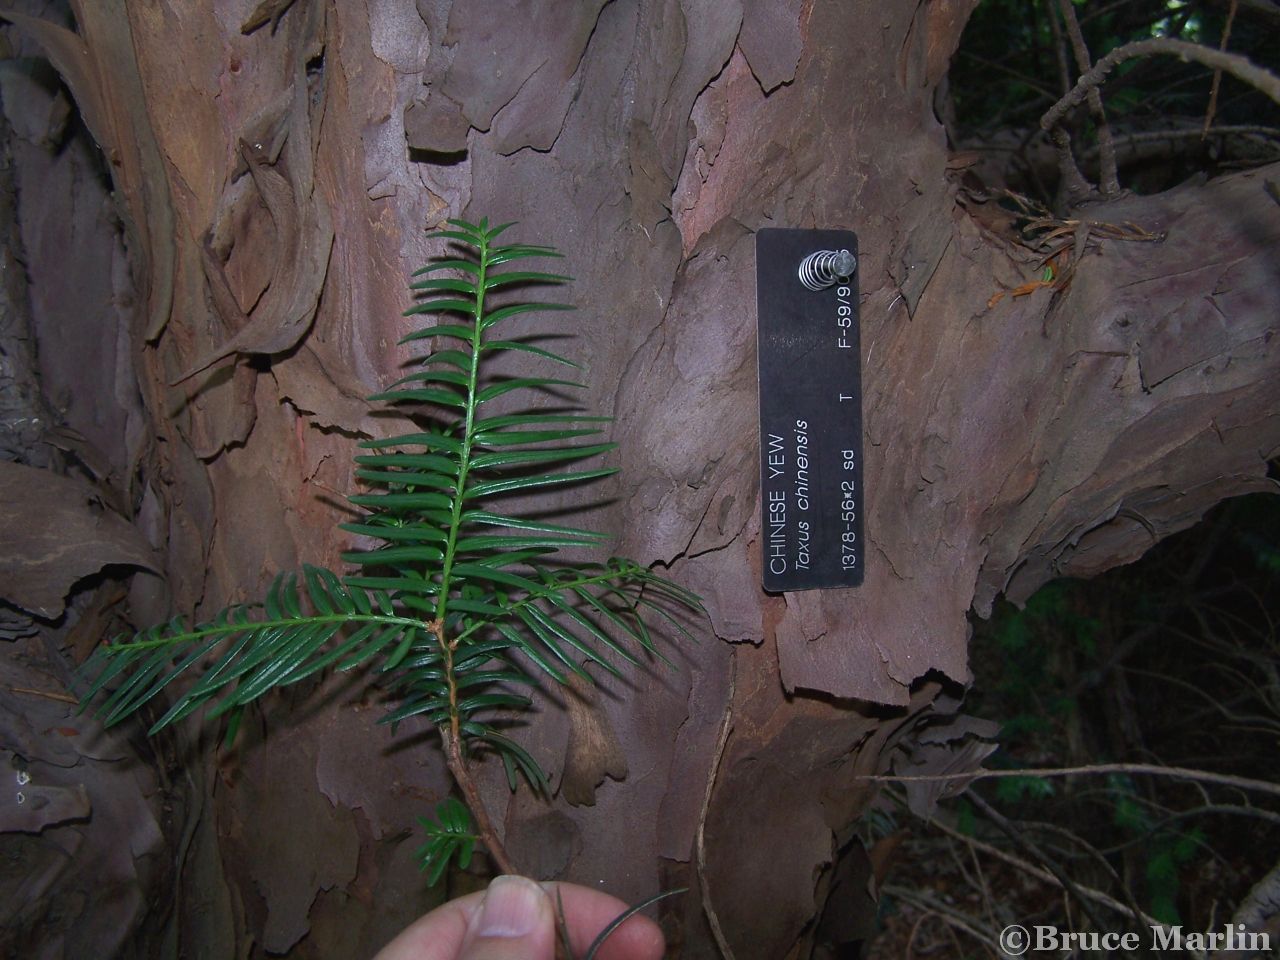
(515, 919)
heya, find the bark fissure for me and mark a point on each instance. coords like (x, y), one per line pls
(1006, 443)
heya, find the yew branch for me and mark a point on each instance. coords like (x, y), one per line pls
(461, 770)
(457, 761)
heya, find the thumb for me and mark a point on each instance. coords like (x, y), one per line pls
(513, 922)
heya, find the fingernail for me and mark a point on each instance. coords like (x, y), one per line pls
(512, 908)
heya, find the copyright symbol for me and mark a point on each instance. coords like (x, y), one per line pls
(1014, 940)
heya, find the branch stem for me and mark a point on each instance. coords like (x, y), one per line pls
(1217, 74)
(1020, 840)
(1180, 773)
(222, 630)
(461, 771)
(1046, 876)
(452, 737)
(1239, 67)
(1074, 186)
(457, 761)
(468, 437)
(1109, 182)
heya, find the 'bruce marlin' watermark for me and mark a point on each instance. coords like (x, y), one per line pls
(1015, 940)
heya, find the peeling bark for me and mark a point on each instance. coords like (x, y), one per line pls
(1058, 433)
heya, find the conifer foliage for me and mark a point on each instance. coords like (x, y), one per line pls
(457, 601)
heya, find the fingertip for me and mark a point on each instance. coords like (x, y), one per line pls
(589, 911)
(437, 935)
(512, 907)
(639, 938)
(515, 922)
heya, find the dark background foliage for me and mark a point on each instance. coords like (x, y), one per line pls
(1171, 660)
(1013, 65)
(1018, 430)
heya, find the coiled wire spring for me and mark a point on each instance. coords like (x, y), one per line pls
(824, 268)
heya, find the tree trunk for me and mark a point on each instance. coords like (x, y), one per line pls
(274, 183)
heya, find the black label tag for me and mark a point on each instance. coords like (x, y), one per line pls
(810, 410)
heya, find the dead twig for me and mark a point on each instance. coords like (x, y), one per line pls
(1074, 185)
(1217, 74)
(1020, 840)
(726, 728)
(1179, 773)
(1238, 66)
(949, 915)
(1253, 131)
(1108, 180)
(1055, 28)
(45, 694)
(1097, 896)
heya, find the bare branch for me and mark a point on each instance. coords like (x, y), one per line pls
(948, 914)
(726, 728)
(1181, 773)
(1097, 896)
(1064, 77)
(1217, 74)
(1021, 840)
(1074, 186)
(1239, 67)
(1227, 130)
(1108, 180)
(1227, 809)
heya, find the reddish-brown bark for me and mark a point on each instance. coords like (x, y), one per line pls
(269, 200)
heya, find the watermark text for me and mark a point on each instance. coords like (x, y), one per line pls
(1015, 940)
